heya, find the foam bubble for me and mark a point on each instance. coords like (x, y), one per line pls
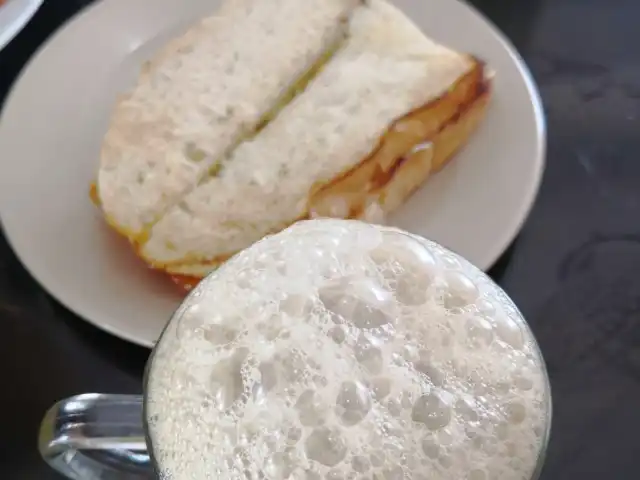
(380, 387)
(432, 374)
(310, 408)
(336, 351)
(394, 473)
(279, 466)
(477, 475)
(467, 408)
(337, 334)
(432, 410)
(353, 403)
(460, 291)
(360, 464)
(369, 356)
(479, 330)
(220, 334)
(516, 412)
(509, 331)
(365, 303)
(326, 446)
(408, 266)
(227, 382)
(430, 448)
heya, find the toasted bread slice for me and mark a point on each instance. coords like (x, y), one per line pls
(389, 190)
(386, 69)
(357, 132)
(204, 93)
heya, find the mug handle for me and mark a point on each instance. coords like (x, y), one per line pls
(97, 437)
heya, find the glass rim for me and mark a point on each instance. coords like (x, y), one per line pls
(186, 303)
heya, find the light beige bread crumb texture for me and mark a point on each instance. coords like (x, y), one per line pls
(182, 177)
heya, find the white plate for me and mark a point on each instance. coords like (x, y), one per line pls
(54, 119)
(14, 15)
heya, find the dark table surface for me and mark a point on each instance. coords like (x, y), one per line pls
(574, 270)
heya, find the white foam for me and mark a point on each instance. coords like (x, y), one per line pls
(340, 350)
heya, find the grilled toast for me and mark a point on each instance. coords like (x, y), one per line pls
(348, 123)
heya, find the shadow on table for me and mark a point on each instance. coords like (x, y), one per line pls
(499, 268)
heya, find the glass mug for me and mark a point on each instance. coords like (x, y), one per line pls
(99, 436)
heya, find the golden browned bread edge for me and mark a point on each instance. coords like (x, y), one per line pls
(373, 180)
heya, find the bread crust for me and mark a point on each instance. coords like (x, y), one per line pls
(396, 168)
(373, 181)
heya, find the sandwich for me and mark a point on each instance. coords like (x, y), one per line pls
(270, 112)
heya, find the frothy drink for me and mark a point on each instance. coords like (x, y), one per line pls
(337, 350)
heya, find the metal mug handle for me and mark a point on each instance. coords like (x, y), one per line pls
(97, 437)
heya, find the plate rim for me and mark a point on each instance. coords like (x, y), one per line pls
(7, 35)
(541, 129)
(508, 234)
